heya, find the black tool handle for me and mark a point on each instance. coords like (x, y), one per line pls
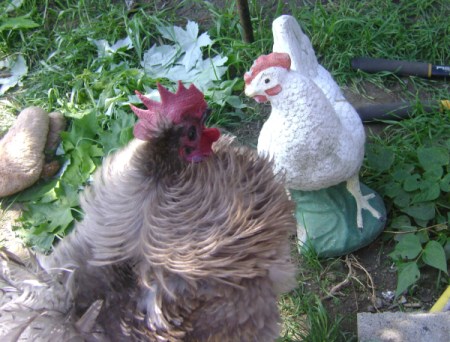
(396, 111)
(403, 68)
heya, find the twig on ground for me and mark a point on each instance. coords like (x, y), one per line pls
(352, 263)
(370, 283)
(334, 291)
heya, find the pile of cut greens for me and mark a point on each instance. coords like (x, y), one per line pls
(101, 120)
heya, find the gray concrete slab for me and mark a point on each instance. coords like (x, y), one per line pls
(404, 327)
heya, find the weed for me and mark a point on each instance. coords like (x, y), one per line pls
(306, 319)
(410, 166)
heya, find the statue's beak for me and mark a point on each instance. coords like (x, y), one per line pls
(249, 91)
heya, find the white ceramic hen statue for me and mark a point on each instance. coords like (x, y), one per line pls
(313, 133)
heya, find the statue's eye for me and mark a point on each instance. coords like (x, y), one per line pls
(267, 80)
(192, 133)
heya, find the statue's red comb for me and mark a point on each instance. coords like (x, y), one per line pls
(263, 62)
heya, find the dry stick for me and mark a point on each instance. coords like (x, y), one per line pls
(244, 15)
(439, 225)
(334, 290)
(351, 262)
(369, 277)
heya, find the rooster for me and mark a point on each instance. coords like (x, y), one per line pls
(185, 238)
(314, 135)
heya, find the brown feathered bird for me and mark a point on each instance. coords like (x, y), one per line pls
(182, 240)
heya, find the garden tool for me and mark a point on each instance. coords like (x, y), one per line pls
(403, 68)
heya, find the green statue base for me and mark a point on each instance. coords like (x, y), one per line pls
(327, 220)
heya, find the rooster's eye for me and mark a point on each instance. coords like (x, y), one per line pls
(192, 133)
(267, 80)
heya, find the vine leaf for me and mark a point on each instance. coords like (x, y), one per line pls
(408, 248)
(434, 255)
(431, 156)
(407, 276)
(379, 157)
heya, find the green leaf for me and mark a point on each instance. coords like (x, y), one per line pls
(36, 191)
(402, 172)
(41, 242)
(412, 182)
(119, 133)
(83, 162)
(421, 211)
(57, 216)
(83, 128)
(403, 199)
(447, 249)
(17, 23)
(235, 102)
(392, 189)
(445, 183)
(434, 173)
(434, 255)
(429, 192)
(421, 223)
(402, 223)
(431, 156)
(408, 274)
(379, 157)
(423, 236)
(409, 247)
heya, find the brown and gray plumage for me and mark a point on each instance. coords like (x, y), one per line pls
(180, 241)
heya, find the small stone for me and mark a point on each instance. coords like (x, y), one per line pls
(378, 303)
(402, 300)
(371, 308)
(388, 295)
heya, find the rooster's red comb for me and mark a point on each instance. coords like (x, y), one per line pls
(173, 107)
(279, 59)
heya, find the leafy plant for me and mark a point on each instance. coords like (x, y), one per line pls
(411, 252)
(8, 23)
(415, 183)
(306, 319)
(98, 106)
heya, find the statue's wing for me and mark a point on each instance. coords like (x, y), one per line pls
(288, 37)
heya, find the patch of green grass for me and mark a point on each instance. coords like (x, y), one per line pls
(306, 319)
(341, 30)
